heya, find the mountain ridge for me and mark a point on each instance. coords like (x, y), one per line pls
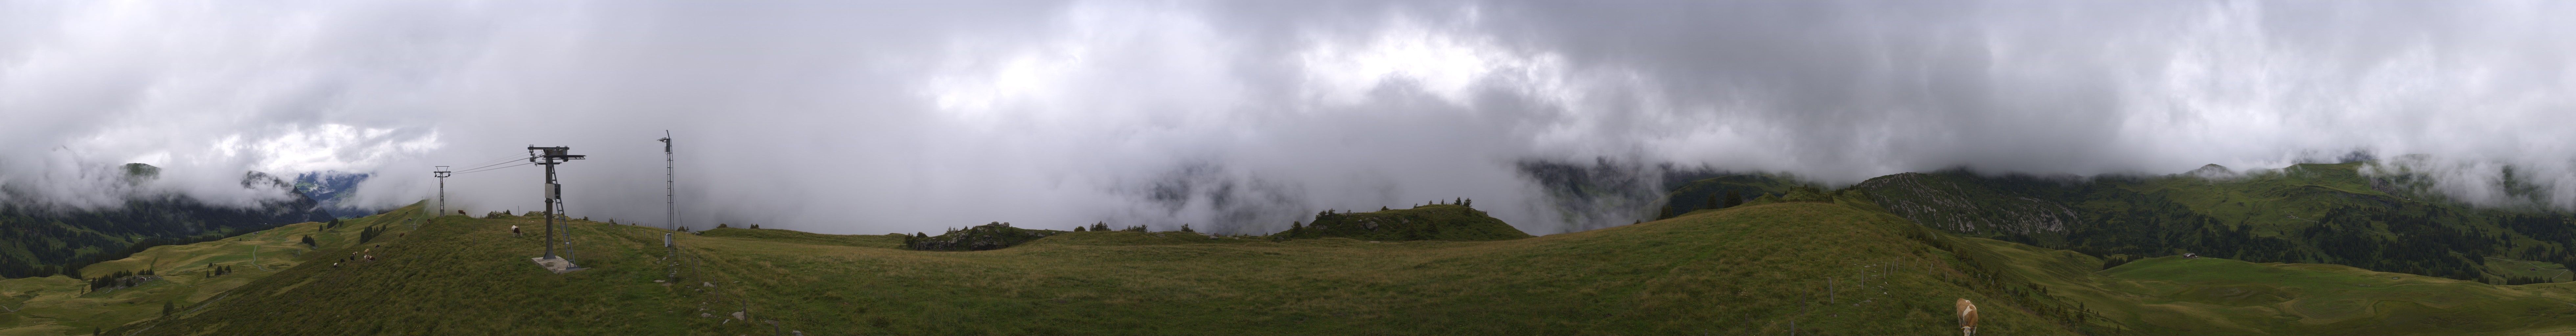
(43, 241)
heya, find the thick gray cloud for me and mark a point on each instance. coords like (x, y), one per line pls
(875, 117)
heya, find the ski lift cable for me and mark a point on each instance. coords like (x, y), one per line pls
(491, 169)
(504, 161)
(489, 163)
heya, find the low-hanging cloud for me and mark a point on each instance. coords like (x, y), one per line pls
(1242, 116)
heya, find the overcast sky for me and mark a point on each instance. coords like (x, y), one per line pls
(874, 117)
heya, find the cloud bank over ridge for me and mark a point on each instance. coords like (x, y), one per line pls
(871, 118)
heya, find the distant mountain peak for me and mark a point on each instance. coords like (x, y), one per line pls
(137, 173)
(334, 189)
(2211, 170)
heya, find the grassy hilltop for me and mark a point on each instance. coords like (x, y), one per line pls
(1826, 268)
(1805, 260)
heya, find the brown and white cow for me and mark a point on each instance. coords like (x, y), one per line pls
(1967, 318)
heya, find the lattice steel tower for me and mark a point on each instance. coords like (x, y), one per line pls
(670, 190)
(442, 190)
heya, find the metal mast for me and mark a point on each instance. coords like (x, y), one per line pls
(554, 192)
(670, 190)
(442, 190)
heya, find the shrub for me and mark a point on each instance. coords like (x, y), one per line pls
(995, 235)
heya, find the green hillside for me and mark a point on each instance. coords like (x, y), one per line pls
(2174, 295)
(2308, 213)
(61, 305)
(43, 240)
(1824, 268)
(1805, 260)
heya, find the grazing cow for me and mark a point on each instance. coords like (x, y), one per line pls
(514, 230)
(1967, 318)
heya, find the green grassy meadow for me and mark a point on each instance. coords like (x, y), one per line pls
(1827, 266)
(1824, 268)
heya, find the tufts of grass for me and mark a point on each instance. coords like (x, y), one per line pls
(2173, 295)
(1820, 268)
(892, 240)
(1813, 266)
